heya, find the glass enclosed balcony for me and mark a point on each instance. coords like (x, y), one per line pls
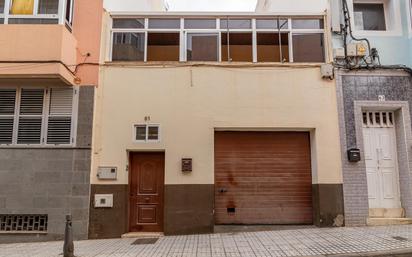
(36, 12)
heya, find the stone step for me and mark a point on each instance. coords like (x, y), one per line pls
(386, 213)
(388, 221)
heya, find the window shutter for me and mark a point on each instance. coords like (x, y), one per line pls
(31, 102)
(59, 130)
(7, 101)
(6, 130)
(60, 116)
(7, 107)
(29, 130)
(61, 101)
(30, 117)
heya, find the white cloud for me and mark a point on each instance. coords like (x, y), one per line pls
(212, 5)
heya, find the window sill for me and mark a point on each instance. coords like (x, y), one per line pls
(215, 64)
(378, 33)
(146, 142)
(41, 147)
(23, 232)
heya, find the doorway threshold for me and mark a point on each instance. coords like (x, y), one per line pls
(143, 235)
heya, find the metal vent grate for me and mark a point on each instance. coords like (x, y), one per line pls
(23, 223)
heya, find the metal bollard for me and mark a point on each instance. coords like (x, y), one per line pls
(68, 247)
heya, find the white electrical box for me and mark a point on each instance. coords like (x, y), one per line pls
(326, 71)
(339, 53)
(107, 173)
(351, 50)
(103, 200)
(356, 49)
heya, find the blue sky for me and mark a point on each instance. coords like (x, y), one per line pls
(212, 5)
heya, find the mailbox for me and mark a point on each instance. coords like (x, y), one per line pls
(354, 155)
(187, 164)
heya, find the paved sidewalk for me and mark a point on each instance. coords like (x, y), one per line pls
(297, 242)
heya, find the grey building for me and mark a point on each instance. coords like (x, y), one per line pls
(40, 184)
(373, 85)
(48, 75)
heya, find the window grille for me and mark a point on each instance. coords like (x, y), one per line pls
(378, 119)
(23, 223)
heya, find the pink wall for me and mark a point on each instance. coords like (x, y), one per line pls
(36, 42)
(87, 26)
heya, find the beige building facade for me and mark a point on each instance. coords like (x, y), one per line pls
(220, 133)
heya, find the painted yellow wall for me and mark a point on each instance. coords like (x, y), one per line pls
(191, 102)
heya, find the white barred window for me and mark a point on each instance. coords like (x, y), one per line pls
(37, 116)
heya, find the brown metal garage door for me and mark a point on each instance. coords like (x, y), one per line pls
(263, 178)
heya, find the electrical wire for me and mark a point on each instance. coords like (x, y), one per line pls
(39, 62)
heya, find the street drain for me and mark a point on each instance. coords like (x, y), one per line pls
(399, 238)
(145, 241)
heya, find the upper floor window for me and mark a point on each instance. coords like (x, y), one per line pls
(202, 47)
(2, 6)
(37, 116)
(227, 39)
(69, 10)
(147, 133)
(36, 11)
(369, 16)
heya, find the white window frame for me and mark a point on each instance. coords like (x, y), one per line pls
(287, 31)
(183, 33)
(252, 31)
(45, 115)
(62, 13)
(393, 16)
(147, 140)
(60, 16)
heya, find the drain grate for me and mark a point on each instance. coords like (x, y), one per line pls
(145, 241)
(399, 238)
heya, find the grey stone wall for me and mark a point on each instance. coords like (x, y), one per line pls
(353, 88)
(53, 181)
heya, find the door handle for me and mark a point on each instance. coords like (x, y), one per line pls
(147, 199)
(378, 157)
(222, 190)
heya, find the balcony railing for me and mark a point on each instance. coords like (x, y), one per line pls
(36, 12)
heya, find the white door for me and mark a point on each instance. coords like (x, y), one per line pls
(381, 161)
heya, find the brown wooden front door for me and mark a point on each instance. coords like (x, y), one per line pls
(146, 192)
